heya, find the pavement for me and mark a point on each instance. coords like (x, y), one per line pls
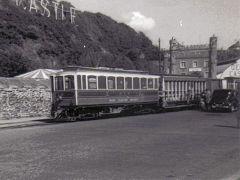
(21, 122)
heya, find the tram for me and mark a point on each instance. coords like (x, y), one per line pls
(81, 92)
(78, 92)
(180, 90)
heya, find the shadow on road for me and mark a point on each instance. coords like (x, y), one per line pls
(225, 126)
(52, 121)
(215, 113)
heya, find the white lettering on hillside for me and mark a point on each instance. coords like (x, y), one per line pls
(45, 9)
(33, 6)
(63, 16)
(73, 14)
(56, 8)
(18, 2)
(43, 6)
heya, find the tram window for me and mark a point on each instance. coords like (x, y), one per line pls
(136, 83)
(143, 83)
(84, 81)
(92, 82)
(52, 84)
(156, 83)
(79, 81)
(102, 82)
(120, 83)
(59, 82)
(69, 82)
(150, 83)
(128, 82)
(111, 82)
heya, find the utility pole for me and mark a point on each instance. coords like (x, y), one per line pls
(171, 55)
(159, 53)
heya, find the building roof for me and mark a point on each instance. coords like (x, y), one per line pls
(229, 70)
(39, 74)
(235, 46)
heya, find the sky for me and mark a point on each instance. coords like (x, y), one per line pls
(189, 21)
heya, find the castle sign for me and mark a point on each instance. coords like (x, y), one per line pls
(43, 7)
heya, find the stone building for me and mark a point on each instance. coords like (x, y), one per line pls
(198, 60)
(192, 60)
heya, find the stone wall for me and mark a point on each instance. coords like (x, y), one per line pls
(24, 98)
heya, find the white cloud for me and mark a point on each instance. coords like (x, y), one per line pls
(141, 22)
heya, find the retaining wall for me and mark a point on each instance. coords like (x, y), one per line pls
(24, 98)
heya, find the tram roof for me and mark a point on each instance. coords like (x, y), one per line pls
(102, 69)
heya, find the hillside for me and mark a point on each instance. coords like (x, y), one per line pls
(29, 41)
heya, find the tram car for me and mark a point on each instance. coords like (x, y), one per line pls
(80, 92)
(180, 90)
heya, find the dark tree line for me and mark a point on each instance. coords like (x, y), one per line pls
(29, 41)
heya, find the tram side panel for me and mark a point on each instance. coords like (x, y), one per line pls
(116, 90)
(122, 97)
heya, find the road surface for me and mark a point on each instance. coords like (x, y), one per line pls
(189, 145)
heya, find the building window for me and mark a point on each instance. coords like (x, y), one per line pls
(194, 64)
(182, 64)
(205, 64)
(206, 74)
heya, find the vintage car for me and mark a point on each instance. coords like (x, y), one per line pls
(224, 99)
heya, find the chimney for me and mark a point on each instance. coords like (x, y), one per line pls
(212, 57)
